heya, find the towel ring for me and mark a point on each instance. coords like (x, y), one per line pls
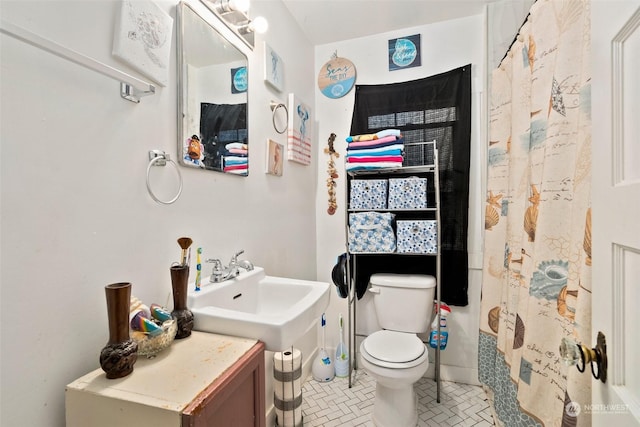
(160, 158)
(275, 106)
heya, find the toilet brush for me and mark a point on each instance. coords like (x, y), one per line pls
(322, 368)
(342, 355)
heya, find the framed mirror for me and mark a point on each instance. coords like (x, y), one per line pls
(212, 96)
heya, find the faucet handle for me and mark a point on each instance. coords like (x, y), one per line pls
(234, 259)
(217, 264)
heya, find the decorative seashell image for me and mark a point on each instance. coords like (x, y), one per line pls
(496, 267)
(518, 338)
(491, 217)
(530, 220)
(548, 279)
(532, 51)
(586, 244)
(494, 318)
(531, 214)
(566, 303)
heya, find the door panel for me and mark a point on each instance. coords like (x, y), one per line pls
(616, 207)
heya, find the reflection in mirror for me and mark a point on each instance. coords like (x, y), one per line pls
(212, 98)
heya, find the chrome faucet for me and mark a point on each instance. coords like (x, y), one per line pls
(234, 264)
(220, 273)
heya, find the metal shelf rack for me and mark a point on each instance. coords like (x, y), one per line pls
(433, 211)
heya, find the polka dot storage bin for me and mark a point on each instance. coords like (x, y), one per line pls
(368, 194)
(418, 237)
(407, 193)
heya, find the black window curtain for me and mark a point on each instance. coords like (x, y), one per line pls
(436, 107)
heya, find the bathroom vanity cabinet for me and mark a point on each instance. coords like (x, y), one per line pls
(203, 380)
(409, 216)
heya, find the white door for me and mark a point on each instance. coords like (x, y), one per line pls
(615, 28)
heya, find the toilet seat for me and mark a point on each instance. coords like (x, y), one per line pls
(392, 349)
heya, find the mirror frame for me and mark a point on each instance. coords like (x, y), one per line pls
(220, 29)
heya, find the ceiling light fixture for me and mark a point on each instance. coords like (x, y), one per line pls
(235, 15)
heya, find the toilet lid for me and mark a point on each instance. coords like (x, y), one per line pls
(394, 347)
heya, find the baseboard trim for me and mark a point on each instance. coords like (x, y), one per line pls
(456, 374)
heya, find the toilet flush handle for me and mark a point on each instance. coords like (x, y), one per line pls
(374, 290)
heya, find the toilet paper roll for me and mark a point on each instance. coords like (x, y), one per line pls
(286, 390)
(291, 418)
(287, 365)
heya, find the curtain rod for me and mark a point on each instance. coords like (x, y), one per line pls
(131, 88)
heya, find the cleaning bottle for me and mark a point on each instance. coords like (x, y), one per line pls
(444, 333)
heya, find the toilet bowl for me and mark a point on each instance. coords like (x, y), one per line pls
(396, 360)
(394, 356)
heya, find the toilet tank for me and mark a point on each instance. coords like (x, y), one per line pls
(403, 302)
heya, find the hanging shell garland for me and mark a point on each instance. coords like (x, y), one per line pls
(333, 174)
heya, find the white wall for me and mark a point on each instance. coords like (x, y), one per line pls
(75, 210)
(75, 213)
(445, 46)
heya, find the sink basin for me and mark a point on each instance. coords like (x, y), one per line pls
(274, 310)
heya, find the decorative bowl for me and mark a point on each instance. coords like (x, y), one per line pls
(150, 346)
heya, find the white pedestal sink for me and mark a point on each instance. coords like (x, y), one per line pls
(274, 310)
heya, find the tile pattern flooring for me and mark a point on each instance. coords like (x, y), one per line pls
(335, 404)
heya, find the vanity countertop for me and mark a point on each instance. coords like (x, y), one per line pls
(168, 382)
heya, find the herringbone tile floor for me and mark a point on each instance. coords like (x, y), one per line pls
(334, 404)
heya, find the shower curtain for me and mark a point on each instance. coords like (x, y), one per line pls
(537, 263)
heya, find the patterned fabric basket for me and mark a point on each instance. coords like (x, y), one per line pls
(371, 232)
(407, 193)
(418, 237)
(368, 194)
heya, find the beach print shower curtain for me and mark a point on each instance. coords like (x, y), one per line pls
(537, 255)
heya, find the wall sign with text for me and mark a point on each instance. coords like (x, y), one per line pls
(404, 52)
(336, 77)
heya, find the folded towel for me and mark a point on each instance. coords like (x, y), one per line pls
(372, 136)
(238, 145)
(236, 167)
(243, 159)
(374, 143)
(238, 171)
(384, 145)
(372, 165)
(368, 159)
(391, 150)
(228, 161)
(365, 137)
(388, 132)
(227, 153)
(238, 151)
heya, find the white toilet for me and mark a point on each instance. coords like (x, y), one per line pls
(395, 356)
